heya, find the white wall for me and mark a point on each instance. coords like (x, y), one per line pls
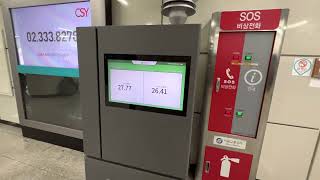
(293, 112)
(134, 12)
(8, 107)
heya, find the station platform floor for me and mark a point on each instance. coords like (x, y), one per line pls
(27, 159)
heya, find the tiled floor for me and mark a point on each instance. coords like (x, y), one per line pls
(27, 159)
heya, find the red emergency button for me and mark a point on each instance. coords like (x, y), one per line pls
(228, 112)
(236, 57)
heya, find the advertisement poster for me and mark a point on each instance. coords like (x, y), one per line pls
(46, 36)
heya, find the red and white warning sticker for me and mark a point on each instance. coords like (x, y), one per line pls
(302, 66)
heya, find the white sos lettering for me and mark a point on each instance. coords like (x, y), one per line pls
(250, 16)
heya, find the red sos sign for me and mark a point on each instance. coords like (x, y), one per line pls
(82, 12)
(268, 19)
(250, 16)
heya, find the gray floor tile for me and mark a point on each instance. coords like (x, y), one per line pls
(10, 129)
(27, 159)
(64, 161)
(19, 148)
(5, 164)
(21, 171)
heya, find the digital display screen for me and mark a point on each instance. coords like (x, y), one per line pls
(153, 83)
(46, 35)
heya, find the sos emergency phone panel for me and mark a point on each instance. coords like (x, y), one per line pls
(243, 60)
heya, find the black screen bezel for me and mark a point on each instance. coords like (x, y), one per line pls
(163, 58)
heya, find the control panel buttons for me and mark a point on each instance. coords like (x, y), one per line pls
(239, 114)
(248, 58)
(236, 57)
(228, 112)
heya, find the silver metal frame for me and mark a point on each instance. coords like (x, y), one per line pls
(253, 145)
(98, 19)
(6, 60)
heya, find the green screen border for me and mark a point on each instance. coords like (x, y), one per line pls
(49, 71)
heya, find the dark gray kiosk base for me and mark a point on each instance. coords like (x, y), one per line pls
(97, 169)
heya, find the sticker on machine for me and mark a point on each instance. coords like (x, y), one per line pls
(229, 142)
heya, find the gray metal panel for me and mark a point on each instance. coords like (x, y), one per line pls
(249, 96)
(195, 141)
(150, 141)
(89, 87)
(201, 82)
(100, 170)
(13, 61)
